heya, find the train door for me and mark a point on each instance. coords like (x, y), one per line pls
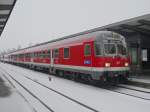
(88, 54)
(52, 58)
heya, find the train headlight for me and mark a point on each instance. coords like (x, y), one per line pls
(107, 64)
(126, 64)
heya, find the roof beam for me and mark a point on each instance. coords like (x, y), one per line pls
(3, 19)
(2, 23)
(112, 29)
(115, 30)
(3, 16)
(134, 28)
(5, 7)
(0, 30)
(120, 30)
(145, 22)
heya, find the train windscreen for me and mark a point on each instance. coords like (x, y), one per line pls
(110, 49)
(121, 49)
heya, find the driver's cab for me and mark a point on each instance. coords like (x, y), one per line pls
(110, 44)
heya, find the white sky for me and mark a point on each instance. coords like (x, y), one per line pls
(36, 21)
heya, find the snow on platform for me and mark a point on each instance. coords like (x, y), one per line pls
(10, 99)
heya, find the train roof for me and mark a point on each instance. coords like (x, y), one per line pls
(42, 45)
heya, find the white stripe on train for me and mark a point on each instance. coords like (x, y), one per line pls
(98, 69)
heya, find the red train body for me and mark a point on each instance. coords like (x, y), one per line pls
(100, 55)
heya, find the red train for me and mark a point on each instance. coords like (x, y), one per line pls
(96, 56)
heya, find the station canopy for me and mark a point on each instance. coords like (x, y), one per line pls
(6, 7)
(140, 24)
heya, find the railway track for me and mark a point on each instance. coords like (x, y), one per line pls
(57, 92)
(84, 105)
(32, 94)
(133, 89)
(120, 86)
(128, 91)
(112, 89)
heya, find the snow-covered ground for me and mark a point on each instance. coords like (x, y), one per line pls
(96, 98)
(11, 100)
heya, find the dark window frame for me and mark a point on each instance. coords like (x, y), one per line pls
(48, 53)
(68, 53)
(85, 50)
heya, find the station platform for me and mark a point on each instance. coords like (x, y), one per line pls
(10, 99)
(140, 81)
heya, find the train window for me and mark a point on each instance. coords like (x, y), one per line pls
(110, 48)
(49, 53)
(121, 49)
(40, 54)
(44, 54)
(66, 52)
(87, 50)
(32, 55)
(35, 54)
(56, 53)
(27, 55)
(97, 48)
